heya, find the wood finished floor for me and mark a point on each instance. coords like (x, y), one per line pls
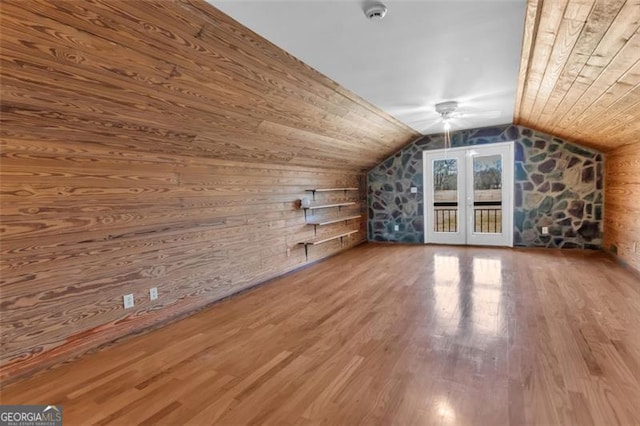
(382, 334)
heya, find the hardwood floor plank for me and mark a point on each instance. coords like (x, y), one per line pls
(381, 334)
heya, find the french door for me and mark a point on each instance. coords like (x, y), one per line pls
(468, 195)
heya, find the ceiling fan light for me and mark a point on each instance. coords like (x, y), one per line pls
(446, 108)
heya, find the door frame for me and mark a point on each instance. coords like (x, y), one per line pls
(459, 237)
(508, 190)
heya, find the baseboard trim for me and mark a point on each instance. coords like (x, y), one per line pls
(623, 263)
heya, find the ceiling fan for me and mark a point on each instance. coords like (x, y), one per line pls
(447, 111)
(432, 119)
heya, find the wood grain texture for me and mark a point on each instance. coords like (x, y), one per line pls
(382, 334)
(580, 71)
(622, 204)
(178, 77)
(158, 144)
(532, 20)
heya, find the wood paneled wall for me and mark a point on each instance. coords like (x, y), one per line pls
(580, 71)
(622, 203)
(135, 74)
(157, 144)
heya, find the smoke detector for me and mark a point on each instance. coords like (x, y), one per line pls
(375, 11)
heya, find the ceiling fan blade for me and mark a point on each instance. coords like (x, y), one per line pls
(481, 114)
(426, 123)
(408, 109)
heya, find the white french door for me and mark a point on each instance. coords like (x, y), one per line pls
(468, 195)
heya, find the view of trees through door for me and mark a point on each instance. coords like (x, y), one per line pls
(487, 193)
(487, 185)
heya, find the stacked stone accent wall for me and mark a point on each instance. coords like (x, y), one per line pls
(557, 184)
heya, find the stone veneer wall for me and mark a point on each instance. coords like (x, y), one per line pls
(557, 184)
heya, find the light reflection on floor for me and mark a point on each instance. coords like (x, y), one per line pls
(446, 277)
(487, 295)
(470, 304)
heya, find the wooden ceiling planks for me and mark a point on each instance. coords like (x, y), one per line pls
(580, 71)
(182, 77)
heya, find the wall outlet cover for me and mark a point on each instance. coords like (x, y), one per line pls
(153, 293)
(396, 227)
(545, 230)
(414, 190)
(128, 301)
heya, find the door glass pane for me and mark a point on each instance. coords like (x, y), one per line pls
(487, 194)
(445, 195)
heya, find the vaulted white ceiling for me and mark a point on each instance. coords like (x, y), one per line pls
(421, 53)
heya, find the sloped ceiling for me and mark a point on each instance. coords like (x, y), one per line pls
(421, 53)
(179, 77)
(580, 71)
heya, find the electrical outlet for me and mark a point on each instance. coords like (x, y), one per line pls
(128, 301)
(545, 230)
(414, 189)
(396, 227)
(153, 293)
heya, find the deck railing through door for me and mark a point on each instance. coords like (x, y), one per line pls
(487, 216)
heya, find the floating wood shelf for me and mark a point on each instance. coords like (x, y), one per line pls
(334, 220)
(326, 206)
(321, 222)
(332, 189)
(320, 240)
(314, 190)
